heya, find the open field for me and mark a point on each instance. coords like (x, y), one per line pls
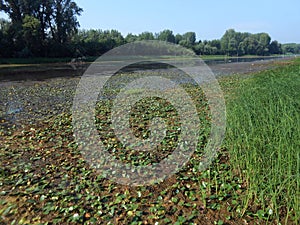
(255, 179)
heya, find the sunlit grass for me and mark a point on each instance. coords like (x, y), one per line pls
(263, 139)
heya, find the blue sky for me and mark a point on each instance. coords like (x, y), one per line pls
(208, 18)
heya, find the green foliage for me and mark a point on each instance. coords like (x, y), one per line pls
(229, 42)
(5, 39)
(237, 43)
(275, 48)
(291, 48)
(95, 42)
(178, 38)
(166, 35)
(146, 36)
(46, 26)
(53, 31)
(31, 27)
(263, 140)
(188, 39)
(131, 38)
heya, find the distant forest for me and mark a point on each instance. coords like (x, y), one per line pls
(49, 28)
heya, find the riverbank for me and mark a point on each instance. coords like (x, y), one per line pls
(44, 177)
(44, 71)
(32, 93)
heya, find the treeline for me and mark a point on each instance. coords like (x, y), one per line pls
(291, 48)
(49, 28)
(38, 28)
(96, 42)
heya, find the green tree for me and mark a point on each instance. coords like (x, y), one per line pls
(31, 28)
(166, 35)
(53, 23)
(96, 42)
(291, 48)
(231, 42)
(249, 46)
(215, 43)
(131, 38)
(178, 38)
(146, 36)
(232, 47)
(64, 22)
(189, 39)
(226, 39)
(6, 42)
(199, 48)
(264, 40)
(275, 47)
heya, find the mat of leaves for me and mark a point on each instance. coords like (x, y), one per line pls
(44, 179)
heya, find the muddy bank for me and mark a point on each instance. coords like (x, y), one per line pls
(31, 94)
(224, 69)
(40, 72)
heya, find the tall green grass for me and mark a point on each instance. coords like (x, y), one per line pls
(263, 139)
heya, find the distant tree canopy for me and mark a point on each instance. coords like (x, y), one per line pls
(49, 28)
(38, 27)
(291, 48)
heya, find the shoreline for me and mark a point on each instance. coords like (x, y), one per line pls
(42, 72)
(33, 99)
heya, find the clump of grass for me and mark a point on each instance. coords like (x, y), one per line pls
(263, 139)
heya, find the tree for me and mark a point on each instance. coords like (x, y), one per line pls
(96, 42)
(50, 28)
(232, 47)
(116, 37)
(131, 38)
(228, 37)
(31, 28)
(199, 48)
(231, 42)
(64, 22)
(146, 36)
(6, 42)
(215, 43)
(13, 9)
(264, 40)
(249, 46)
(178, 38)
(52, 21)
(166, 35)
(275, 48)
(189, 38)
(291, 48)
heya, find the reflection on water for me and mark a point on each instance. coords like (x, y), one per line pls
(10, 108)
(40, 72)
(13, 108)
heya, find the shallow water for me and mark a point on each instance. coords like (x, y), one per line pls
(31, 94)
